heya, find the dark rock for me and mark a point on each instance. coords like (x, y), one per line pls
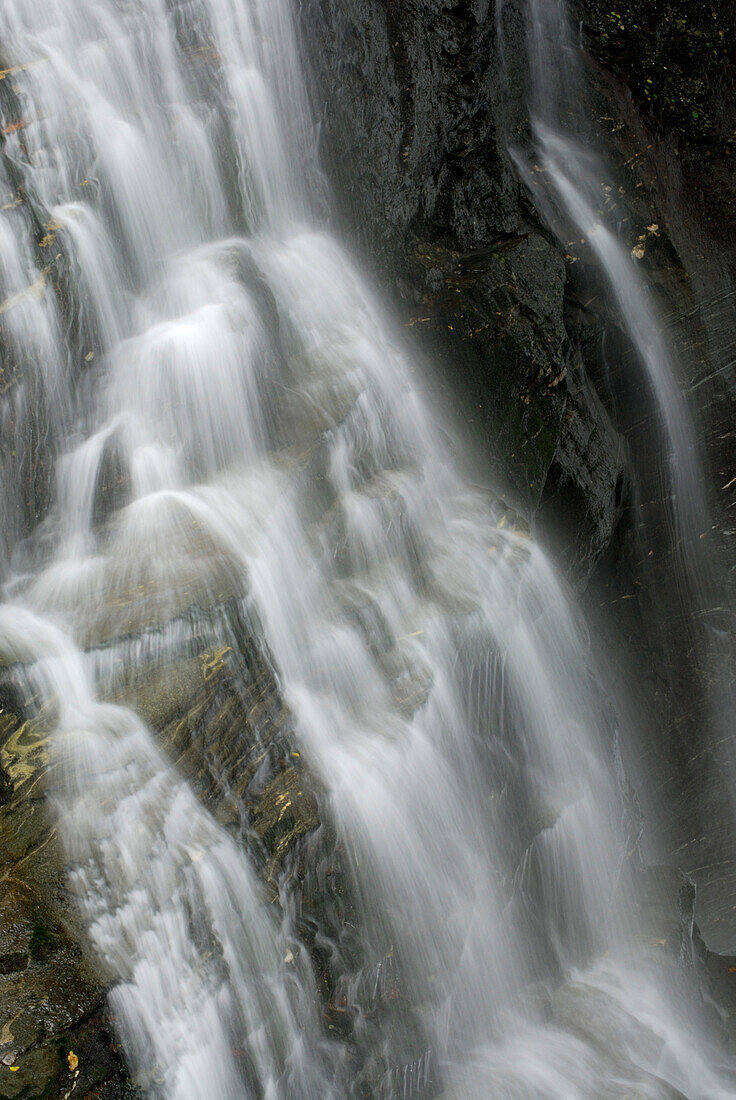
(662, 82)
(676, 65)
(414, 120)
(498, 314)
(52, 1001)
(586, 484)
(112, 489)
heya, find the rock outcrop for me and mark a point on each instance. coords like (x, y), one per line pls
(414, 115)
(415, 118)
(55, 1035)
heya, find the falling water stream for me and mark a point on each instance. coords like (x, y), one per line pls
(563, 162)
(568, 183)
(194, 328)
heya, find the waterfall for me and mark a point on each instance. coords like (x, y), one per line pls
(215, 412)
(569, 184)
(562, 160)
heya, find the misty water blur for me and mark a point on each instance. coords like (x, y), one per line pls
(271, 447)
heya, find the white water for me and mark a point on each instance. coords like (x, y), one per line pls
(163, 890)
(569, 173)
(274, 442)
(568, 177)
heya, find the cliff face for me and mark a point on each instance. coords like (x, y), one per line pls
(663, 81)
(414, 118)
(413, 113)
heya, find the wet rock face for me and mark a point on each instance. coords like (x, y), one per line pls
(676, 63)
(413, 117)
(54, 1031)
(662, 80)
(402, 91)
(209, 693)
(219, 716)
(498, 313)
(217, 713)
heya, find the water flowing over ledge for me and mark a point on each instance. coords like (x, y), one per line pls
(236, 469)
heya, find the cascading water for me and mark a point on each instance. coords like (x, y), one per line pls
(193, 330)
(567, 177)
(560, 158)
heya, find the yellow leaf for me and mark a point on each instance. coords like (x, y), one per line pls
(72, 1060)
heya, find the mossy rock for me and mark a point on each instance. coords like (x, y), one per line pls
(286, 811)
(673, 56)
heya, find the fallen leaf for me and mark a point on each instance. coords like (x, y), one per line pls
(72, 1060)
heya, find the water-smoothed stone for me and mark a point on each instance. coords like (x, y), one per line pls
(144, 575)
(621, 1043)
(217, 712)
(322, 388)
(220, 718)
(410, 677)
(285, 811)
(206, 688)
(209, 693)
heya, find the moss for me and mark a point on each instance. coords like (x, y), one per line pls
(672, 60)
(286, 811)
(43, 942)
